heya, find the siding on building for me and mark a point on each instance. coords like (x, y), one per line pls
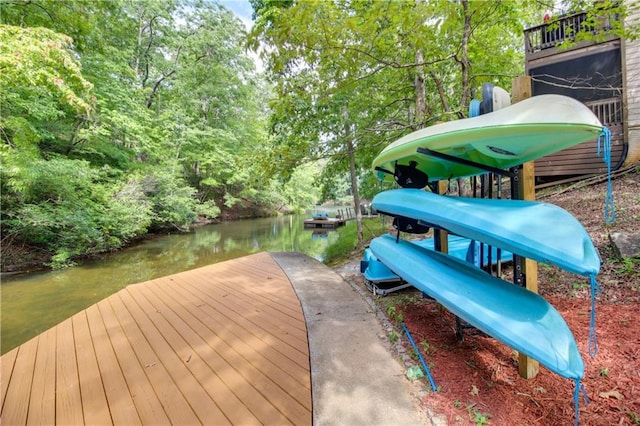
(632, 82)
(625, 127)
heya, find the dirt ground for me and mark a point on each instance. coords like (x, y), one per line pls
(477, 378)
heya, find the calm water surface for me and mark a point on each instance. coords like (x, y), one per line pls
(33, 303)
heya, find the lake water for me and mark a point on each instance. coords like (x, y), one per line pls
(33, 303)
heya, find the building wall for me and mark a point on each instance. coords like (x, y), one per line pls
(632, 83)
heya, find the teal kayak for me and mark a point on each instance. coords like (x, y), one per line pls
(532, 229)
(459, 247)
(513, 315)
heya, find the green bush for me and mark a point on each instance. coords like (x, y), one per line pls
(129, 214)
(345, 244)
(70, 209)
(172, 200)
(65, 207)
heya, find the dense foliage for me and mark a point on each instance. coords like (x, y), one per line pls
(350, 76)
(123, 117)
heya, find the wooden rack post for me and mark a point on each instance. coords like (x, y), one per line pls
(521, 89)
(441, 237)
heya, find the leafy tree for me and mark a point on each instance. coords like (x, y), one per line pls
(67, 208)
(603, 18)
(45, 99)
(302, 190)
(150, 112)
(45, 96)
(351, 76)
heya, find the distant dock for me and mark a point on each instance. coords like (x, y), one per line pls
(324, 223)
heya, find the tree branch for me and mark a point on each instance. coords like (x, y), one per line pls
(572, 84)
(31, 3)
(157, 86)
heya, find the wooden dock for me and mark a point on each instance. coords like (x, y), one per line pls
(223, 344)
(327, 223)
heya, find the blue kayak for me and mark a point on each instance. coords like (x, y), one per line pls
(517, 317)
(375, 271)
(535, 230)
(459, 247)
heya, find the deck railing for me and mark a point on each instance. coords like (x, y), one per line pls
(564, 29)
(609, 111)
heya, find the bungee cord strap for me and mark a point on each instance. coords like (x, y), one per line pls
(576, 399)
(593, 341)
(422, 361)
(609, 207)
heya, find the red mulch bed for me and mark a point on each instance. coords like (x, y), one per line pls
(478, 377)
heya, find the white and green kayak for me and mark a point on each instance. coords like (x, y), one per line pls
(499, 140)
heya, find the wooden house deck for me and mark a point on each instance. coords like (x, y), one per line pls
(223, 344)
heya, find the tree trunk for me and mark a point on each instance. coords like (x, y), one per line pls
(354, 187)
(353, 177)
(421, 101)
(464, 68)
(464, 60)
(441, 92)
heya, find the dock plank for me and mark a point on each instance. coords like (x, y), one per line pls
(175, 404)
(7, 361)
(16, 402)
(68, 398)
(271, 319)
(257, 351)
(118, 395)
(242, 309)
(222, 344)
(94, 400)
(174, 360)
(298, 353)
(274, 305)
(261, 288)
(201, 362)
(42, 404)
(255, 295)
(250, 341)
(259, 384)
(147, 404)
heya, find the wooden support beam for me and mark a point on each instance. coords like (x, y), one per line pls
(527, 367)
(441, 236)
(522, 89)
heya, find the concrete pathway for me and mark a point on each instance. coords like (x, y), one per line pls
(354, 378)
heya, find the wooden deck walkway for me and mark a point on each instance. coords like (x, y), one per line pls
(223, 344)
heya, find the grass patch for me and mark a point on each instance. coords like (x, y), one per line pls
(347, 242)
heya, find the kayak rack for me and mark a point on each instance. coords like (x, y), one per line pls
(377, 290)
(479, 166)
